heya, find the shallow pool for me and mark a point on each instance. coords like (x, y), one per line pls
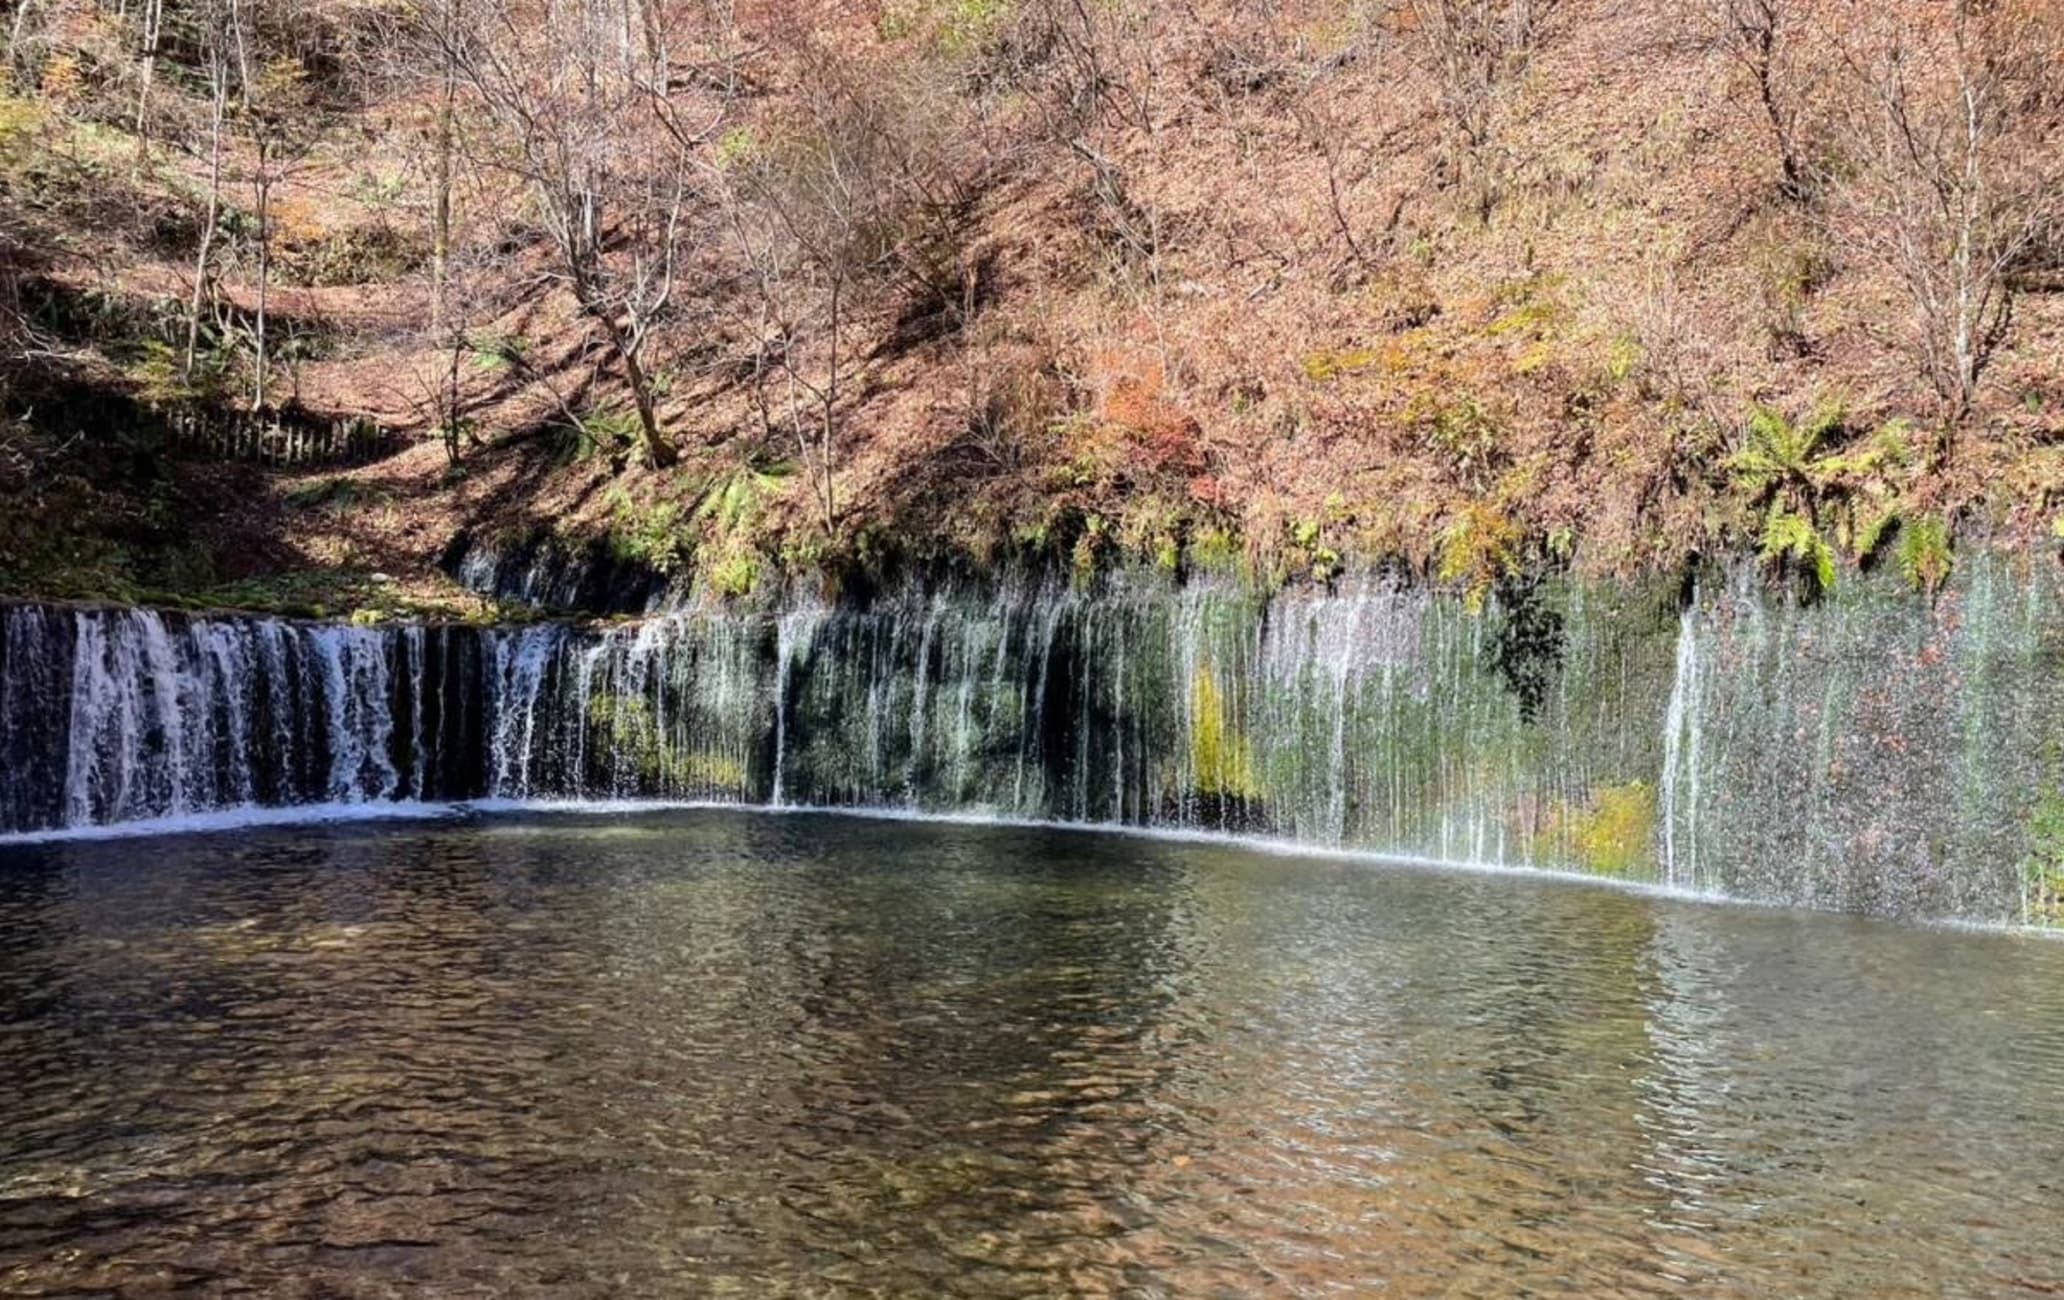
(712, 1052)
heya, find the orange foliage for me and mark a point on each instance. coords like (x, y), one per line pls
(1164, 438)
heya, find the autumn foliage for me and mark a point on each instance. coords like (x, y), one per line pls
(1475, 284)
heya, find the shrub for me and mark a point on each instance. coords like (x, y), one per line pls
(646, 534)
(1477, 549)
(736, 574)
(1215, 550)
(1331, 363)
(359, 255)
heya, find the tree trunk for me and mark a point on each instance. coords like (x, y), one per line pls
(264, 268)
(831, 392)
(14, 32)
(1792, 176)
(153, 20)
(218, 77)
(658, 449)
(440, 202)
(452, 430)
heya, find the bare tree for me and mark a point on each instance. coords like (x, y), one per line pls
(860, 190)
(216, 39)
(605, 128)
(1083, 62)
(1475, 46)
(437, 391)
(284, 124)
(1086, 68)
(1758, 36)
(447, 17)
(1329, 136)
(153, 23)
(1956, 171)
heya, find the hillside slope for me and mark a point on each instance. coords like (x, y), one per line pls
(1471, 286)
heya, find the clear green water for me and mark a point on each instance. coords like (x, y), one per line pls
(735, 1053)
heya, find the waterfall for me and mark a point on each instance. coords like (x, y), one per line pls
(1872, 751)
(1680, 777)
(520, 658)
(792, 635)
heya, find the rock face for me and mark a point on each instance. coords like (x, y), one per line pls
(545, 574)
(1873, 752)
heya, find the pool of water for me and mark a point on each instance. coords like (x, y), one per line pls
(734, 1053)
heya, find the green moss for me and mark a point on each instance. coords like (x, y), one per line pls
(300, 593)
(1623, 356)
(625, 724)
(2042, 873)
(20, 120)
(1215, 550)
(335, 493)
(1329, 364)
(1533, 319)
(954, 26)
(1613, 835)
(1220, 755)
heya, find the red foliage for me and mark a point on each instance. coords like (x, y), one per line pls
(1164, 438)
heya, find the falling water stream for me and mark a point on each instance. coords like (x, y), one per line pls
(1874, 751)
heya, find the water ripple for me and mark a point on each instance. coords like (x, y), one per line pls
(700, 1052)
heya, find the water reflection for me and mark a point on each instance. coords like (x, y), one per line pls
(718, 1053)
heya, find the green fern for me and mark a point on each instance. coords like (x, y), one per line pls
(608, 427)
(1872, 534)
(1924, 555)
(1789, 535)
(730, 513)
(1783, 454)
(496, 352)
(646, 534)
(736, 500)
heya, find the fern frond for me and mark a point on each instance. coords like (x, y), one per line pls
(1768, 428)
(1826, 418)
(1872, 534)
(1924, 555)
(1787, 535)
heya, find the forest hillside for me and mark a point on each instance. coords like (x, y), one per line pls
(296, 292)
